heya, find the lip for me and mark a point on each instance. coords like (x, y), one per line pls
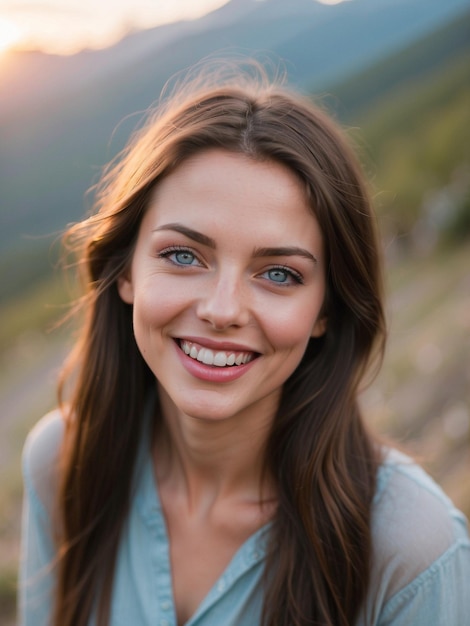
(209, 373)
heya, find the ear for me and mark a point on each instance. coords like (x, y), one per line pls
(126, 288)
(319, 327)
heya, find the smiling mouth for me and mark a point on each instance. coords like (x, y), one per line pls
(216, 358)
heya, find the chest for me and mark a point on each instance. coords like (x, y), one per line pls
(201, 548)
(198, 558)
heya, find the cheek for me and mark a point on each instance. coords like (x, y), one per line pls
(152, 313)
(292, 338)
(158, 298)
(290, 327)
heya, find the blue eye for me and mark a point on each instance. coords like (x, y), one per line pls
(183, 257)
(284, 276)
(278, 276)
(179, 256)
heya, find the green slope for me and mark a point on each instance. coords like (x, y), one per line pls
(427, 58)
(418, 143)
(411, 120)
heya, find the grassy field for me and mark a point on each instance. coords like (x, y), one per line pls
(421, 397)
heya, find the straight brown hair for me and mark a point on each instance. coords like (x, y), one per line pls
(319, 452)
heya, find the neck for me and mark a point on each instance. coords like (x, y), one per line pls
(209, 460)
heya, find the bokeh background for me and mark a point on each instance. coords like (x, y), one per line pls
(75, 77)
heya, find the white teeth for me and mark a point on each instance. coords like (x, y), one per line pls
(208, 357)
(219, 359)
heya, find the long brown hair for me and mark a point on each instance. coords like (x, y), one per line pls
(319, 453)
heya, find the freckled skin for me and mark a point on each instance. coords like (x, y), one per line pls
(226, 293)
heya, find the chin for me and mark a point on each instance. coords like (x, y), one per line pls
(205, 408)
(208, 413)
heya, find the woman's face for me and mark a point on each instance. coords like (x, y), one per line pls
(227, 283)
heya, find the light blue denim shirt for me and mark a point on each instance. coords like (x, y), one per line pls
(420, 573)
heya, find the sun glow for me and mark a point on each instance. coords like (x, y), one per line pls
(69, 26)
(10, 34)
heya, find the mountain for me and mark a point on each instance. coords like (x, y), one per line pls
(63, 118)
(318, 42)
(423, 59)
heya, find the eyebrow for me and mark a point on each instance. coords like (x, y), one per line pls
(285, 251)
(190, 233)
(259, 252)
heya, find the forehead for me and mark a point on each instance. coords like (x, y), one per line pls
(220, 189)
(210, 170)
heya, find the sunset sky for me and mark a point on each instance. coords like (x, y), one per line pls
(67, 26)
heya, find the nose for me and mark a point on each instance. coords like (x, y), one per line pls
(224, 303)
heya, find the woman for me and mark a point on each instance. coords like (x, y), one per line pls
(212, 466)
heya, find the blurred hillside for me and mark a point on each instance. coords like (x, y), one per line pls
(406, 105)
(413, 115)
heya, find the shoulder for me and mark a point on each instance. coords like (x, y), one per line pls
(415, 526)
(41, 457)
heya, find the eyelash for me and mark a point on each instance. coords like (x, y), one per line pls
(164, 254)
(295, 276)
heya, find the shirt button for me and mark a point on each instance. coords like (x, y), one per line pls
(165, 606)
(164, 622)
(255, 555)
(220, 586)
